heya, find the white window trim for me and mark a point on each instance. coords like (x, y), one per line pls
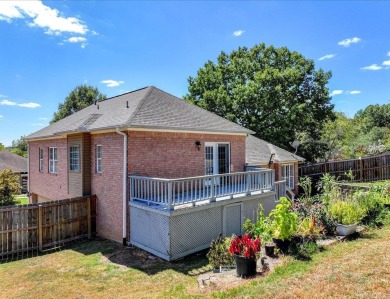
(40, 159)
(78, 162)
(215, 154)
(99, 160)
(289, 176)
(53, 162)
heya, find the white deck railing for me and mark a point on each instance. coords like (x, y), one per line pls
(282, 190)
(175, 192)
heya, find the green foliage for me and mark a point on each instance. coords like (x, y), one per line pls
(327, 185)
(284, 220)
(273, 91)
(9, 186)
(347, 213)
(79, 98)
(303, 248)
(368, 133)
(218, 254)
(306, 184)
(372, 202)
(261, 228)
(19, 147)
(2, 147)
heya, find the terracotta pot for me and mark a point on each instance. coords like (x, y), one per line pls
(245, 267)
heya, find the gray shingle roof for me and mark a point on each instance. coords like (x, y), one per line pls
(11, 161)
(148, 107)
(259, 151)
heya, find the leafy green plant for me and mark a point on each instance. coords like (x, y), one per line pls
(284, 220)
(218, 254)
(347, 213)
(306, 184)
(372, 202)
(9, 186)
(261, 228)
(326, 185)
(349, 175)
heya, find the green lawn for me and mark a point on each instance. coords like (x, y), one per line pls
(103, 269)
(21, 199)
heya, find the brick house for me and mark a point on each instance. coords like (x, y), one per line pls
(17, 164)
(131, 150)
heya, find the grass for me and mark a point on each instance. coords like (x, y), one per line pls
(103, 269)
(21, 199)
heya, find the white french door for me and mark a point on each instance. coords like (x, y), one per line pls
(217, 158)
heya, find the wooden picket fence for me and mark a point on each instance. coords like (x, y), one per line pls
(36, 227)
(365, 169)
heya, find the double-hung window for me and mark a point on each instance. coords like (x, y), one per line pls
(288, 175)
(40, 159)
(99, 159)
(52, 160)
(74, 158)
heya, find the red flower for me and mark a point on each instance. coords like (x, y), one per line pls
(245, 246)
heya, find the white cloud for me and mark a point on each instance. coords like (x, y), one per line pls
(7, 103)
(328, 56)
(1, 116)
(388, 53)
(43, 118)
(348, 41)
(76, 39)
(238, 32)
(25, 105)
(372, 67)
(39, 15)
(38, 124)
(353, 92)
(2, 96)
(29, 105)
(336, 92)
(386, 62)
(112, 83)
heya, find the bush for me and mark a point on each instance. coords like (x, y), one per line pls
(261, 228)
(218, 254)
(284, 220)
(372, 202)
(9, 186)
(303, 248)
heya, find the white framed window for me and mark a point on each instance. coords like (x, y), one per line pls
(99, 159)
(74, 158)
(288, 175)
(52, 160)
(40, 159)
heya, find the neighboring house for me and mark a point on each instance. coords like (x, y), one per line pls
(17, 164)
(168, 176)
(260, 153)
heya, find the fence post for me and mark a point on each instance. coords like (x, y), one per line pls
(170, 194)
(89, 217)
(40, 230)
(361, 168)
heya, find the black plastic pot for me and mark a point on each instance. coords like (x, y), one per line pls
(270, 249)
(282, 245)
(387, 206)
(245, 267)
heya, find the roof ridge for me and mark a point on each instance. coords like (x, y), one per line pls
(140, 104)
(122, 94)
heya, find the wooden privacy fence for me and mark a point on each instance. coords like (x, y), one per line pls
(40, 226)
(364, 169)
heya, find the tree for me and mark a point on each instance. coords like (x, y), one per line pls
(19, 147)
(9, 186)
(79, 98)
(2, 147)
(272, 91)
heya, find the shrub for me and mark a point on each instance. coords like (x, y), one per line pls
(9, 186)
(372, 202)
(218, 254)
(261, 228)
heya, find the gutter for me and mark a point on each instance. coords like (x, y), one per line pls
(124, 195)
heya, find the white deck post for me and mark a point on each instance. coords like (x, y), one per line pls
(212, 186)
(248, 183)
(170, 195)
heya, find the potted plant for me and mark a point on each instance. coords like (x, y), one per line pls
(218, 254)
(284, 224)
(347, 215)
(246, 251)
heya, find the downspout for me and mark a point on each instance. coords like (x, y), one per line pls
(124, 195)
(28, 173)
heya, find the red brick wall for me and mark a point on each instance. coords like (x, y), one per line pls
(108, 185)
(52, 186)
(175, 155)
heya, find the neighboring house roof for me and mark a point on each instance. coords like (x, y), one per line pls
(259, 151)
(11, 161)
(148, 107)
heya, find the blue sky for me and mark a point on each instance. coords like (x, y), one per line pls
(50, 47)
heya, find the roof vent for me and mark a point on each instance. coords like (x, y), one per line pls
(127, 104)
